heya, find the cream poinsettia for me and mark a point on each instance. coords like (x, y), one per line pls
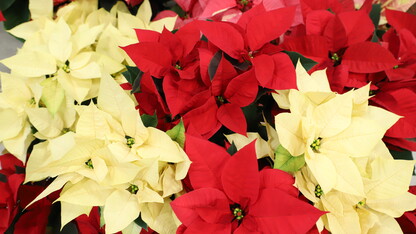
(386, 182)
(329, 129)
(112, 160)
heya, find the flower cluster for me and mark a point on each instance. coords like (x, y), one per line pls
(216, 116)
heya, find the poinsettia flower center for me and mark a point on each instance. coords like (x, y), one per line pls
(361, 204)
(237, 212)
(244, 5)
(177, 66)
(318, 191)
(89, 164)
(65, 67)
(133, 189)
(221, 99)
(316, 144)
(130, 141)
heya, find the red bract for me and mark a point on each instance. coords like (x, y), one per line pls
(133, 2)
(236, 197)
(408, 220)
(249, 40)
(14, 197)
(2, 17)
(90, 224)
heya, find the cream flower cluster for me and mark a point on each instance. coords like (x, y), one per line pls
(63, 97)
(349, 172)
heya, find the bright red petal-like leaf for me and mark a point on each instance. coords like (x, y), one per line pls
(224, 73)
(401, 20)
(225, 36)
(263, 66)
(335, 34)
(232, 117)
(241, 178)
(242, 90)
(9, 161)
(268, 26)
(201, 227)
(248, 15)
(144, 35)
(401, 143)
(313, 47)
(368, 57)
(203, 119)
(213, 7)
(336, 6)
(316, 21)
(179, 91)
(210, 204)
(33, 221)
(205, 57)
(400, 74)
(277, 212)
(358, 26)
(189, 35)
(174, 44)
(207, 162)
(284, 74)
(151, 57)
(278, 179)
(2, 17)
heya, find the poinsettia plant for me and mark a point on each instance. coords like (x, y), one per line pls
(208, 116)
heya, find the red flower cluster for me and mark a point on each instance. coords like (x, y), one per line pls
(216, 77)
(14, 198)
(2, 17)
(231, 196)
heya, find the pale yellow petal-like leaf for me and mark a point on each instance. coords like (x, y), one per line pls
(61, 145)
(89, 71)
(160, 217)
(149, 170)
(19, 144)
(15, 90)
(85, 36)
(289, 130)
(386, 225)
(27, 29)
(39, 158)
(167, 22)
(10, 123)
(367, 219)
(31, 63)
(121, 208)
(394, 207)
(47, 124)
(57, 184)
(390, 178)
(92, 123)
(262, 148)
(282, 98)
(71, 211)
(384, 118)
(159, 144)
(40, 8)
(127, 23)
(323, 170)
(318, 81)
(133, 228)
(334, 116)
(112, 98)
(76, 88)
(348, 176)
(53, 94)
(358, 140)
(148, 195)
(59, 41)
(182, 169)
(85, 193)
(145, 11)
(361, 97)
(170, 184)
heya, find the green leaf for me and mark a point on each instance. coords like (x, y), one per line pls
(405, 154)
(232, 149)
(4, 4)
(177, 134)
(375, 14)
(139, 221)
(16, 14)
(306, 63)
(149, 120)
(133, 75)
(286, 162)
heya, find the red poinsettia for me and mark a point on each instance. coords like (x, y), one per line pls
(2, 17)
(232, 196)
(408, 220)
(133, 2)
(249, 40)
(14, 198)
